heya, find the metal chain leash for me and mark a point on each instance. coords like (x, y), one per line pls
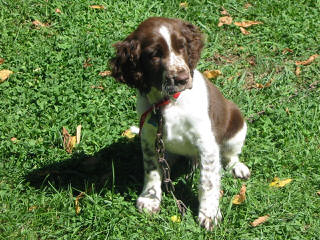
(160, 149)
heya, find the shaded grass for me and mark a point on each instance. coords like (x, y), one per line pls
(51, 88)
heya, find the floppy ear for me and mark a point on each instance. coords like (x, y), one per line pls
(125, 66)
(195, 43)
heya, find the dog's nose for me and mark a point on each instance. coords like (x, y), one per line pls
(182, 77)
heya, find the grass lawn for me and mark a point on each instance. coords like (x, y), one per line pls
(56, 83)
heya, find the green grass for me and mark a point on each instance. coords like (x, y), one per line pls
(50, 89)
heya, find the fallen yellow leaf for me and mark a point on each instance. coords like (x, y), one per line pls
(246, 24)
(224, 20)
(183, 5)
(128, 134)
(210, 74)
(30, 209)
(259, 220)
(241, 197)
(279, 183)
(307, 62)
(4, 75)
(175, 219)
(97, 6)
(77, 203)
(298, 71)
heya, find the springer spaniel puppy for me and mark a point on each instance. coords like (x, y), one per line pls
(159, 60)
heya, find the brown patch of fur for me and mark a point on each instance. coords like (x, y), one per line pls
(226, 118)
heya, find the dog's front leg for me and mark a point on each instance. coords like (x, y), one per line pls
(209, 186)
(150, 197)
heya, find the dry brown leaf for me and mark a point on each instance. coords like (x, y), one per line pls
(105, 73)
(268, 84)
(244, 31)
(287, 111)
(87, 63)
(77, 203)
(78, 134)
(183, 5)
(221, 193)
(241, 197)
(307, 62)
(4, 75)
(279, 183)
(69, 142)
(97, 7)
(58, 10)
(246, 24)
(259, 220)
(224, 12)
(224, 20)
(318, 193)
(97, 87)
(1, 61)
(252, 60)
(286, 50)
(247, 5)
(39, 24)
(298, 71)
(210, 74)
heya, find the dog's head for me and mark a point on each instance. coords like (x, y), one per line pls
(161, 53)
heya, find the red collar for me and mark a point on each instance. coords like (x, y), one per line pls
(159, 104)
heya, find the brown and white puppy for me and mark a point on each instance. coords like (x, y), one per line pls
(159, 60)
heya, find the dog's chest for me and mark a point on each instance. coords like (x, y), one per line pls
(179, 132)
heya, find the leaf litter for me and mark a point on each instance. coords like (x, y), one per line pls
(4, 74)
(241, 197)
(69, 142)
(210, 74)
(276, 182)
(259, 220)
(77, 202)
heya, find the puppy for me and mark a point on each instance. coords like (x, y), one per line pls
(159, 59)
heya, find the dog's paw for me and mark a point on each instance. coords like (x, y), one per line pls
(208, 222)
(240, 170)
(151, 205)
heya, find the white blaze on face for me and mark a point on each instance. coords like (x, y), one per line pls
(176, 62)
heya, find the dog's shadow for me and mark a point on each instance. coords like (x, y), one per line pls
(118, 167)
